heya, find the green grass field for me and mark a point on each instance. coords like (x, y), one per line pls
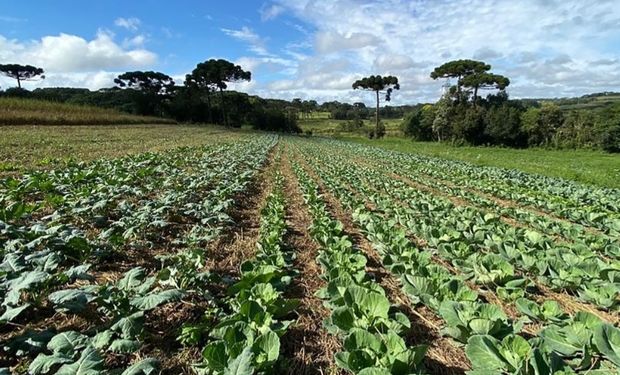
(320, 124)
(590, 167)
(16, 111)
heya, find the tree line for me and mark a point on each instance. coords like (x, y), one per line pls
(202, 98)
(461, 116)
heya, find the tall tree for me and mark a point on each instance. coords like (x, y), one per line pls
(378, 84)
(214, 75)
(22, 72)
(152, 88)
(459, 69)
(441, 121)
(153, 83)
(484, 81)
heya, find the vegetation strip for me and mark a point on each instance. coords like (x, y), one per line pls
(556, 322)
(50, 266)
(360, 309)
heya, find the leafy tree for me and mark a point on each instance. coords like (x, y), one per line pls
(215, 75)
(459, 69)
(378, 84)
(22, 72)
(577, 130)
(503, 125)
(418, 124)
(470, 126)
(441, 122)
(151, 89)
(609, 136)
(486, 81)
(154, 83)
(541, 124)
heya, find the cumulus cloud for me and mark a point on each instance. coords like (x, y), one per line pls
(131, 24)
(72, 60)
(547, 48)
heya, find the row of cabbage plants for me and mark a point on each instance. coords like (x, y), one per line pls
(493, 342)
(61, 229)
(372, 328)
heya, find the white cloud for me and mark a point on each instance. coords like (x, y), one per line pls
(546, 47)
(136, 41)
(330, 41)
(72, 60)
(131, 23)
(247, 35)
(269, 12)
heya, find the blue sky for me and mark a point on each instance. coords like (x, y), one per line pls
(317, 48)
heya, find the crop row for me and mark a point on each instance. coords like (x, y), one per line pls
(73, 222)
(565, 230)
(491, 337)
(373, 329)
(246, 336)
(492, 252)
(587, 205)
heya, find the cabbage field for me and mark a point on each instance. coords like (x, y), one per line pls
(263, 254)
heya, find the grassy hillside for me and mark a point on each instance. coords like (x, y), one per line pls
(17, 111)
(586, 102)
(586, 166)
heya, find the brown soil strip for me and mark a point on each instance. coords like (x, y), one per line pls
(443, 356)
(307, 347)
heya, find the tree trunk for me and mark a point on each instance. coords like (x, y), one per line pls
(458, 89)
(19, 83)
(377, 116)
(475, 95)
(223, 107)
(210, 113)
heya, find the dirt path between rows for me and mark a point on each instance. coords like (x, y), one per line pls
(307, 346)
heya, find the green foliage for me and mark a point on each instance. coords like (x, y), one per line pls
(419, 124)
(503, 126)
(274, 120)
(21, 72)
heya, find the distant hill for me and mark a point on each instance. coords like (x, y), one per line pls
(19, 111)
(590, 101)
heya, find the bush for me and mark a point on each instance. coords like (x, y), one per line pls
(419, 124)
(609, 137)
(503, 126)
(274, 120)
(351, 125)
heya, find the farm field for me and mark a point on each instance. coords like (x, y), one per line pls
(237, 253)
(20, 111)
(586, 166)
(42, 147)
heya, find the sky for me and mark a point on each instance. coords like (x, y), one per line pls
(315, 49)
